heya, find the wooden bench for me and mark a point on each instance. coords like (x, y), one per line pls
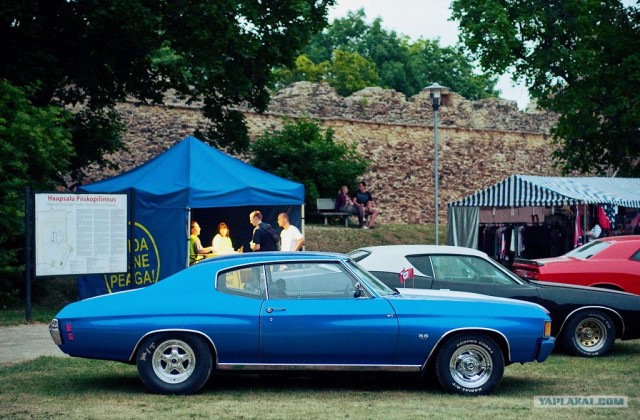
(326, 208)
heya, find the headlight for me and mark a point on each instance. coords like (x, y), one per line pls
(547, 328)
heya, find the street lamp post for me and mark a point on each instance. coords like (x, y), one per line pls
(435, 92)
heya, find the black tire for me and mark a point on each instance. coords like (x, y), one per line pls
(470, 364)
(589, 333)
(174, 363)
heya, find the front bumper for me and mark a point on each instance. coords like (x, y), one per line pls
(545, 348)
(54, 330)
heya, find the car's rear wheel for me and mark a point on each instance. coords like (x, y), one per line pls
(589, 334)
(470, 364)
(174, 363)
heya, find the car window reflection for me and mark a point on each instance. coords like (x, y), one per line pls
(588, 250)
(246, 281)
(310, 281)
(467, 269)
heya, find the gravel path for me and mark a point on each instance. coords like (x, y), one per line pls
(25, 342)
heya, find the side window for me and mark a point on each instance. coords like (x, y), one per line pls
(450, 268)
(246, 281)
(468, 269)
(422, 263)
(316, 280)
(636, 256)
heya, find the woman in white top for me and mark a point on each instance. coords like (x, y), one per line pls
(221, 244)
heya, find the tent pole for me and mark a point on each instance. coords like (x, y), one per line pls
(584, 218)
(304, 246)
(188, 236)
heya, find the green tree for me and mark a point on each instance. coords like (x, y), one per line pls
(88, 55)
(350, 72)
(302, 152)
(580, 59)
(347, 72)
(400, 64)
(97, 53)
(34, 145)
(303, 70)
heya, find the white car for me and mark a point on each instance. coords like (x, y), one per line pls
(587, 320)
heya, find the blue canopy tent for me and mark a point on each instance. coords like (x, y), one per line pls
(530, 191)
(191, 180)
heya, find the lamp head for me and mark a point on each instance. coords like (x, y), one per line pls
(435, 93)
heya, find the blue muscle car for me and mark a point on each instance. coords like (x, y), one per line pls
(301, 311)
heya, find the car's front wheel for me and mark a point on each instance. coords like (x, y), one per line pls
(589, 334)
(470, 364)
(174, 363)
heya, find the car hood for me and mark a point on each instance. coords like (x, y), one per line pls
(431, 294)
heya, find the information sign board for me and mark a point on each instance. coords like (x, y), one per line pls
(80, 234)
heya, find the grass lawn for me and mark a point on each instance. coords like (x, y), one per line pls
(52, 387)
(76, 388)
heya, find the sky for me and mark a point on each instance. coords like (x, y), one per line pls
(422, 18)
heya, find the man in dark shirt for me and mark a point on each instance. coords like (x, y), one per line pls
(364, 199)
(263, 234)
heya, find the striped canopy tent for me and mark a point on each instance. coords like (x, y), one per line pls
(530, 191)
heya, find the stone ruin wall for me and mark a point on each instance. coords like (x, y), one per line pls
(479, 142)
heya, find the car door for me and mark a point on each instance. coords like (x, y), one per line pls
(469, 273)
(235, 317)
(313, 316)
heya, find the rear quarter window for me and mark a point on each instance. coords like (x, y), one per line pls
(422, 263)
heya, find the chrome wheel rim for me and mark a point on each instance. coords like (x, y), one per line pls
(591, 334)
(174, 361)
(471, 366)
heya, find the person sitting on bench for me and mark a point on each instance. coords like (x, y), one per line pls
(345, 203)
(364, 200)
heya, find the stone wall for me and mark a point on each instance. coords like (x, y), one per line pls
(479, 142)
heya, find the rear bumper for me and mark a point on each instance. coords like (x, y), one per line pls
(545, 348)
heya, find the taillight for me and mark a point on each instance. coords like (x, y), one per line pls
(67, 327)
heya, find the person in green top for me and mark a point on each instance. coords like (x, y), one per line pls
(196, 250)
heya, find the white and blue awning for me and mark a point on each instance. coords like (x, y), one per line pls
(530, 191)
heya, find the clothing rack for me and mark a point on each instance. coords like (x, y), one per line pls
(506, 241)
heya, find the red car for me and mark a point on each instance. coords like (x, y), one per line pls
(611, 263)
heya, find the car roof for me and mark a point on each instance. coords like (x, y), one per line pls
(274, 256)
(392, 257)
(422, 249)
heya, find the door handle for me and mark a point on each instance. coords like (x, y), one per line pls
(270, 310)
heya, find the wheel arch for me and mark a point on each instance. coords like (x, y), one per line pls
(496, 335)
(608, 286)
(615, 317)
(207, 339)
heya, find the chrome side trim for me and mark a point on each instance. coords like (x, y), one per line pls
(215, 350)
(605, 308)
(424, 366)
(319, 367)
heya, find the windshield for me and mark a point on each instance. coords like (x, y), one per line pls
(587, 251)
(372, 282)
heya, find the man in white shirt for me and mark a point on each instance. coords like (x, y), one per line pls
(290, 238)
